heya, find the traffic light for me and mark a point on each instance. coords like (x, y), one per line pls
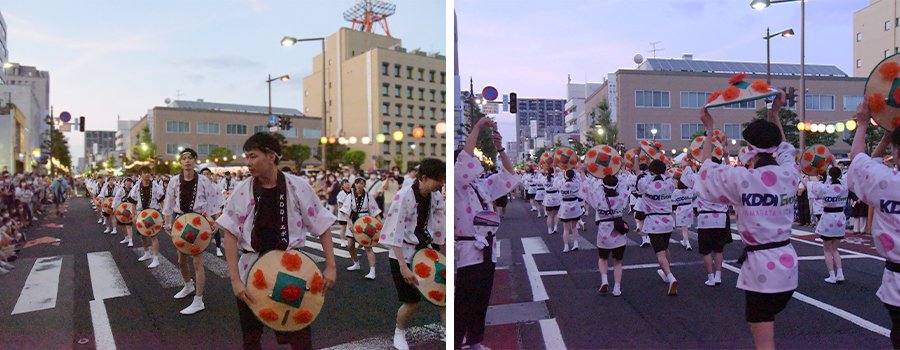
(81, 123)
(791, 97)
(513, 103)
(287, 123)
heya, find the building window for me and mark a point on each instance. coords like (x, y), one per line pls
(431, 94)
(733, 132)
(421, 148)
(409, 110)
(421, 74)
(742, 105)
(434, 149)
(236, 129)
(205, 149)
(421, 94)
(397, 110)
(443, 96)
(384, 68)
(399, 126)
(858, 63)
(174, 148)
(693, 100)
(688, 131)
(887, 25)
(260, 128)
(386, 147)
(397, 89)
(385, 127)
(409, 72)
(443, 77)
(432, 131)
(443, 112)
(398, 147)
(432, 113)
(176, 127)
(314, 134)
(292, 132)
(819, 102)
(663, 131)
(207, 128)
(851, 102)
(421, 112)
(431, 76)
(651, 99)
(385, 108)
(384, 89)
(409, 129)
(409, 92)
(858, 36)
(396, 70)
(235, 149)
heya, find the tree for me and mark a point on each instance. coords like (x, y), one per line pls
(221, 156)
(281, 139)
(355, 158)
(398, 161)
(146, 149)
(579, 147)
(791, 134)
(603, 116)
(298, 154)
(335, 154)
(538, 152)
(379, 162)
(60, 149)
(873, 137)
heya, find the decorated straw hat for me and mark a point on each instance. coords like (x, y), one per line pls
(653, 150)
(287, 289)
(675, 173)
(602, 161)
(107, 205)
(430, 268)
(149, 222)
(367, 230)
(634, 156)
(740, 90)
(816, 160)
(532, 165)
(125, 213)
(883, 92)
(695, 150)
(546, 161)
(565, 158)
(191, 233)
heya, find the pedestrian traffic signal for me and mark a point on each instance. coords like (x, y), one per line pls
(81, 123)
(512, 103)
(284, 122)
(791, 97)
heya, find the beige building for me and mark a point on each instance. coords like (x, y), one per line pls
(375, 86)
(875, 29)
(667, 94)
(205, 126)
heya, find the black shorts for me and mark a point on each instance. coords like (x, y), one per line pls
(570, 220)
(529, 195)
(554, 208)
(406, 293)
(617, 253)
(713, 239)
(762, 307)
(501, 202)
(659, 241)
(826, 238)
(639, 215)
(342, 222)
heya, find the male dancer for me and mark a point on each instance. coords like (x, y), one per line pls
(119, 197)
(358, 204)
(147, 195)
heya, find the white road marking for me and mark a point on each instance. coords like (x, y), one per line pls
(103, 337)
(415, 336)
(534, 245)
(216, 265)
(167, 274)
(41, 286)
(553, 273)
(106, 280)
(337, 251)
(551, 334)
(534, 279)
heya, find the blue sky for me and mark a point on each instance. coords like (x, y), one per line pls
(530, 46)
(115, 57)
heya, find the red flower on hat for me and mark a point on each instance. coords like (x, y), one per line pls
(303, 316)
(760, 86)
(423, 270)
(317, 284)
(204, 236)
(731, 93)
(259, 280)
(178, 226)
(737, 78)
(436, 295)
(155, 215)
(431, 254)
(179, 243)
(291, 293)
(367, 219)
(889, 70)
(195, 250)
(291, 262)
(358, 228)
(189, 236)
(196, 221)
(877, 103)
(593, 167)
(268, 314)
(364, 242)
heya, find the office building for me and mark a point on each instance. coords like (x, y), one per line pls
(875, 29)
(537, 120)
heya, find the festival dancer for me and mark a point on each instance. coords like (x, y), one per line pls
(763, 198)
(119, 197)
(552, 201)
(876, 184)
(190, 193)
(416, 220)
(681, 207)
(713, 228)
(659, 223)
(147, 195)
(540, 191)
(360, 203)
(830, 226)
(253, 224)
(107, 191)
(342, 218)
(528, 180)
(638, 205)
(610, 204)
(571, 209)
(217, 235)
(474, 251)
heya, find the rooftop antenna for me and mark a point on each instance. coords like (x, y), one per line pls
(178, 93)
(365, 13)
(653, 49)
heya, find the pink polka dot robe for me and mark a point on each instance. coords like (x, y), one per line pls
(305, 214)
(705, 220)
(400, 223)
(879, 187)
(657, 198)
(832, 196)
(467, 179)
(764, 201)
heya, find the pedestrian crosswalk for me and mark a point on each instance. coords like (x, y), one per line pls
(106, 280)
(41, 287)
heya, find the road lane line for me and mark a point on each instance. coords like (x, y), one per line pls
(41, 286)
(167, 274)
(553, 273)
(106, 280)
(103, 337)
(534, 245)
(551, 334)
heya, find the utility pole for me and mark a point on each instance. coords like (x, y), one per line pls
(50, 161)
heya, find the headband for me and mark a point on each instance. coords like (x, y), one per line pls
(752, 151)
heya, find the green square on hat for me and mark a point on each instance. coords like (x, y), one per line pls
(439, 272)
(190, 233)
(149, 222)
(891, 101)
(291, 282)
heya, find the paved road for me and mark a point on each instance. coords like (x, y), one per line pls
(91, 292)
(544, 298)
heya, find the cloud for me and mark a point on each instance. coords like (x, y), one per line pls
(219, 62)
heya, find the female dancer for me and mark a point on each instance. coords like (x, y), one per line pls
(570, 209)
(552, 201)
(659, 223)
(360, 203)
(342, 196)
(120, 196)
(681, 207)
(610, 204)
(831, 224)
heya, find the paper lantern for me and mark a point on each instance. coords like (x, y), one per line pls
(398, 136)
(839, 127)
(829, 129)
(352, 140)
(800, 126)
(418, 132)
(323, 140)
(332, 140)
(440, 128)
(365, 140)
(379, 138)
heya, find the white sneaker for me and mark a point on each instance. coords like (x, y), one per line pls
(840, 276)
(673, 287)
(124, 240)
(682, 243)
(113, 231)
(99, 221)
(354, 267)
(718, 277)
(371, 274)
(575, 245)
(710, 282)
(616, 292)
(146, 256)
(400, 339)
(662, 275)
(187, 290)
(344, 244)
(195, 307)
(7, 265)
(688, 246)
(155, 263)
(130, 243)
(645, 240)
(106, 230)
(831, 280)
(565, 248)
(219, 252)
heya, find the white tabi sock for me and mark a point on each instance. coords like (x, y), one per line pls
(718, 276)
(711, 276)
(604, 279)
(671, 277)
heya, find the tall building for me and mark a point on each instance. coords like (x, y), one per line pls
(123, 136)
(458, 137)
(537, 120)
(667, 94)
(99, 145)
(578, 120)
(205, 126)
(875, 29)
(4, 53)
(376, 86)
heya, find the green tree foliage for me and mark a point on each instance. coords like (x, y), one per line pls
(537, 154)
(334, 154)
(60, 149)
(298, 154)
(398, 161)
(355, 158)
(221, 156)
(873, 137)
(602, 116)
(485, 136)
(144, 141)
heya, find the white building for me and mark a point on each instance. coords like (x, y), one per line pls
(578, 120)
(20, 125)
(123, 135)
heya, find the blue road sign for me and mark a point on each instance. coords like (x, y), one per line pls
(489, 93)
(273, 120)
(65, 117)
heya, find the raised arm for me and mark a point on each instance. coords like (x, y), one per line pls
(709, 124)
(472, 138)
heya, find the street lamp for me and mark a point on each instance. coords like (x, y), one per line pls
(761, 4)
(787, 33)
(269, 81)
(654, 131)
(290, 41)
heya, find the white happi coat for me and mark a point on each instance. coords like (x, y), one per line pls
(209, 199)
(764, 201)
(832, 196)
(369, 208)
(683, 211)
(528, 179)
(552, 197)
(711, 214)
(571, 209)
(305, 214)
(400, 223)
(607, 208)
(540, 186)
(657, 199)
(156, 193)
(877, 185)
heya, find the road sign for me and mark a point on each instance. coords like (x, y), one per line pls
(273, 120)
(65, 128)
(505, 103)
(489, 93)
(490, 108)
(65, 117)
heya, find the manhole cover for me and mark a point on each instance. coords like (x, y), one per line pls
(83, 341)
